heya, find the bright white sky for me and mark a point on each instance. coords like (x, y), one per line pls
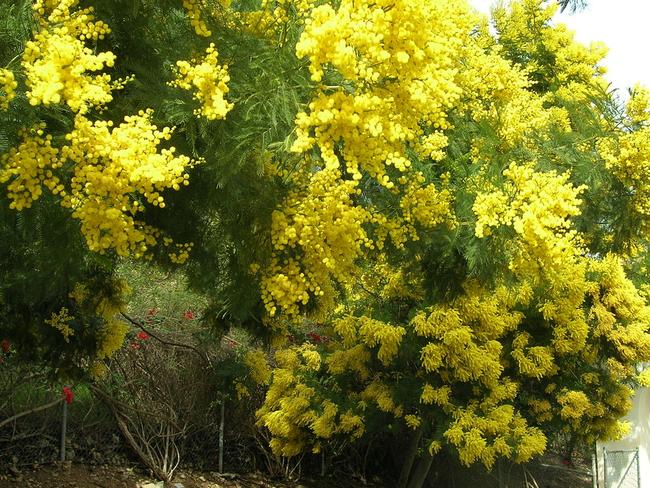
(623, 25)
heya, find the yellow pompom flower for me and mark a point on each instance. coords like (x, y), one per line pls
(207, 79)
(30, 166)
(194, 11)
(8, 85)
(59, 67)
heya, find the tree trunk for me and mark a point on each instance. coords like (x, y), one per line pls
(128, 436)
(421, 471)
(158, 473)
(411, 454)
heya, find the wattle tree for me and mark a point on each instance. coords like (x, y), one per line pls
(458, 204)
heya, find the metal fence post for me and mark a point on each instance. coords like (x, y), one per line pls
(594, 468)
(64, 426)
(605, 467)
(221, 429)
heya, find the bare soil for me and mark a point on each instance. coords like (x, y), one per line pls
(69, 475)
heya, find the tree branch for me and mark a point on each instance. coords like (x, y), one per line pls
(138, 324)
(32, 410)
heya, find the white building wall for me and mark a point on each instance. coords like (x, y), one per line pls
(639, 438)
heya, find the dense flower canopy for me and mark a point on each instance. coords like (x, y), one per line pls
(458, 204)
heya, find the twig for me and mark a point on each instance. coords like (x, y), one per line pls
(32, 410)
(564, 468)
(203, 356)
(369, 292)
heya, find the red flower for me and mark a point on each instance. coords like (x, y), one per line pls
(67, 395)
(315, 337)
(189, 315)
(143, 336)
(5, 345)
(135, 345)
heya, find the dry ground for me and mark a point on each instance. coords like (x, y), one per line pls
(81, 476)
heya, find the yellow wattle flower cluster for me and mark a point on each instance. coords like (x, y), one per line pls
(426, 205)
(436, 396)
(326, 226)
(111, 338)
(208, 82)
(499, 93)
(106, 304)
(366, 124)
(295, 413)
(380, 394)
(59, 66)
(619, 314)
(463, 338)
(575, 74)
(574, 405)
(272, 17)
(547, 251)
(638, 106)
(181, 252)
(395, 283)
(8, 85)
(355, 359)
(535, 361)
(29, 167)
(499, 432)
(311, 357)
(526, 205)
(59, 321)
(259, 370)
(194, 11)
(627, 155)
(52, 10)
(113, 168)
(398, 84)
(112, 164)
(372, 333)
(595, 415)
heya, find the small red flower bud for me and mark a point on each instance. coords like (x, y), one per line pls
(5, 345)
(143, 336)
(189, 315)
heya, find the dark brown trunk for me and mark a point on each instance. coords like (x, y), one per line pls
(411, 454)
(421, 471)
